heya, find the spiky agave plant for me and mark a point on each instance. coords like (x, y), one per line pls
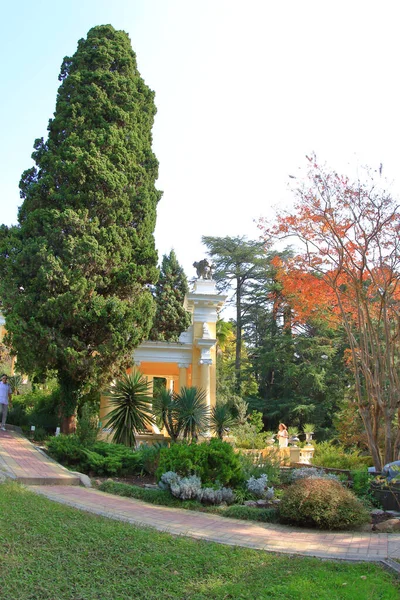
(192, 412)
(131, 402)
(221, 420)
(165, 409)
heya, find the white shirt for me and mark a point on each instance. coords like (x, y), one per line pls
(283, 438)
(5, 390)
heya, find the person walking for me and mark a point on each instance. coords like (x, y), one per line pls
(5, 398)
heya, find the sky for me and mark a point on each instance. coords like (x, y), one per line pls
(244, 90)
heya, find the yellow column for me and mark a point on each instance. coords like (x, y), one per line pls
(183, 367)
(150, 379)
(205, 378)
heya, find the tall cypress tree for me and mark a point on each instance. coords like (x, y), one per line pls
(77, 268)
(171, 317)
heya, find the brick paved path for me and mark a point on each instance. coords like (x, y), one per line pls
(266, 536)
(20, 460)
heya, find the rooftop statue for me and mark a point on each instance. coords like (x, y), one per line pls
(203, 269)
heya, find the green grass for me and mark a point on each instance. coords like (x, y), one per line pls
(54, 552)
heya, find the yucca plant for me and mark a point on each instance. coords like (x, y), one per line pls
(221, 420)
(192, 412)
(15, 382)
(309, 428)
(131, 401)
(164, 407)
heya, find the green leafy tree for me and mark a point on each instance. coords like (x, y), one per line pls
(171, 318)
(76, 270)
(131, 401)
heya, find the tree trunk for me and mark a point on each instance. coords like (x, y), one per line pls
(69, 399)
(372, 441)
(238, 353)
(68, 424)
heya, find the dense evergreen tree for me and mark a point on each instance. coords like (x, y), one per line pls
(171, 317)
(238, 263)
(77, 268)
(290, 371)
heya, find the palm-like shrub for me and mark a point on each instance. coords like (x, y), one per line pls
(221, 420)
(164, 407)
(192, 412)
(15, 382)
(184, 414)
(131, 401)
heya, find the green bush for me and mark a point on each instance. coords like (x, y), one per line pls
(149, 456)
(321, 503)
(40, 434)
(67, 450)
(264, 465)
(119, 459)
(213, 461)
(180, 457)
(361, 482)
(38, 408)
(335, 456)
(87, 427)
(100, 458)
(249, 435)
(251, 513)
(218, 462)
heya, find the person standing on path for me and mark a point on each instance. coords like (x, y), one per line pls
(283, 436)
(5, 398)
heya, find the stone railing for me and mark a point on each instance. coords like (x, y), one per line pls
(291, 455)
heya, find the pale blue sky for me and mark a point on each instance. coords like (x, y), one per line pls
(244, 89)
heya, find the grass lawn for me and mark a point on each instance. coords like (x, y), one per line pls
(54, 552)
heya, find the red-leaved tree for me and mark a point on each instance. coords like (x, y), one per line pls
(348, 271)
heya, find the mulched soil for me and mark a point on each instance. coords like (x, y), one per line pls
(139, 480)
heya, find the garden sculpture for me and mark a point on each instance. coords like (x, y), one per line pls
(203, 269)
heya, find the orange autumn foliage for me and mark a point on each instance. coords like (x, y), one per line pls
(347, 271)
